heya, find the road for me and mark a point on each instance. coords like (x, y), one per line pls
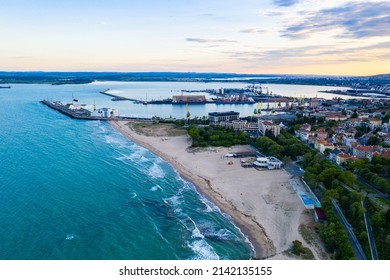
(356, 247)
(377, 192)
(371, 240)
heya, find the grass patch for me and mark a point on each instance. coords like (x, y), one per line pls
(300, 251)
(157, 129)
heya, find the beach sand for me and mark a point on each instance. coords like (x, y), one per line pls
(262, 203)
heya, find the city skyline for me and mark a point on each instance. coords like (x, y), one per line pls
(279, 36)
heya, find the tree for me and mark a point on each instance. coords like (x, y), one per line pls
(327, 152)
(355, 114)
(348, 178)
(328, 175)
(193, 132)
(329, 236)
(373, 141)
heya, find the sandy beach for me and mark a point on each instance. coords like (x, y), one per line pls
(262, 203)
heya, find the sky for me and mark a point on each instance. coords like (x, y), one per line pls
(322, 37)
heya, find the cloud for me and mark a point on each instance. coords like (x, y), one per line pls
(200, 40)
(253, 30)
(285, 3)
(356, 20)
(332, 53)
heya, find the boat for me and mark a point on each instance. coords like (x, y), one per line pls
(5, 86)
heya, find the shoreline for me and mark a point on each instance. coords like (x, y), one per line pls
(268, 217)
(245, 223)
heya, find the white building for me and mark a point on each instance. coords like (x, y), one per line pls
(268, 125)
(268, 162)
(105, 113)
(216, 117)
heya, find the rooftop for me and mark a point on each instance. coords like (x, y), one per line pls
(216, 114)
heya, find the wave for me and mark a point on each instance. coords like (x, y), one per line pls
(116, 141)
(202, 250)
(133, 157)
(69, 237)
(155, 188)
(155, 171)
(210, 207)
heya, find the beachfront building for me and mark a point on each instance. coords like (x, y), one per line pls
(236, 124)
(268, 125)
(268, 162)
(240, 125)
(217, 117)
(183, 99)
(105, 113)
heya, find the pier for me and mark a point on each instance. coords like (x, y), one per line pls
(81, 114)
(117, 97)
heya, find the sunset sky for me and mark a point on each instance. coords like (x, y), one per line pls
(241, 36)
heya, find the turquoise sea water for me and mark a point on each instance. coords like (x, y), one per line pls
(72, 189)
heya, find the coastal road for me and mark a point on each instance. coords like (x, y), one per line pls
(356, 247)
(371, 240)
(376, 191)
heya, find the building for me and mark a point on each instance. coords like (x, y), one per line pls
(383, 153)
(268, 162)
(314, 103)
(304, 135)
(335, 118)
(324, 146)
(236, 124)
(183, 99)
(305, 127)
(319, 215)
(105, 113)
(342, 157)
(321, 133)
(361, 151)
(268, 125)
(318, 143)
(216, 117)
(375, 122)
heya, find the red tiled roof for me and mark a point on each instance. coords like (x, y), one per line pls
(319, 142)
(386, 153)
(343, 155)
(365, 148)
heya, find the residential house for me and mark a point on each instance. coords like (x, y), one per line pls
(326, 145)
(343, 157)
(375, 123)
(361, 151)
(321, 133)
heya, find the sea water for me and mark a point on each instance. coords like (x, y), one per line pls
(73, 189)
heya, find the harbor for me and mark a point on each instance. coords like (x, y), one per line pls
(223, 97)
